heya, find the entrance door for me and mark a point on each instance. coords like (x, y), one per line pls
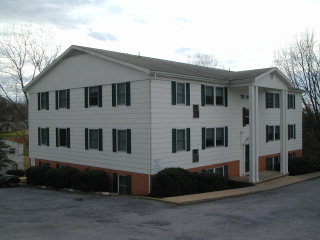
(124, 184)
(247, 156)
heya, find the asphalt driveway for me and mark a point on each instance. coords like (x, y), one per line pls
(292, 212)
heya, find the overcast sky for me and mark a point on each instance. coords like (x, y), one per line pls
(241, 34)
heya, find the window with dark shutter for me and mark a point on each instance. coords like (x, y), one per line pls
(43, 134)
(181, 93)
(121, 94)
(219, 137)
(225, 96)
(203, 96)
(43, 98)
(245, 116)
(114, 140)
(173, 93)
(188, 139)
(276, 132)
(181, 139)
(209, 137)
(209, 93)
(128, 93)
(174, 140)
(188, 94)
(226, 137)
(219, 96)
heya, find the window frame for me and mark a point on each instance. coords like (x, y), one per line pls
(270, 134)
(195, 155)
(44, 136)
(89, 139)
(184, 93)
(223, 137)
(277, 133)
(184, 140)
(213, 95)
(66, 98)
(124, 95)
(291, 101)
(66, 137)
(275, 100)
(118, 140)
(213, 137)
(222, 96)
(44, 97)
(90, 97)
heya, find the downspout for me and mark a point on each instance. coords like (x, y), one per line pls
(150, 129)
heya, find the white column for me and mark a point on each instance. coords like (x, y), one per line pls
(253, 134)
(283, 132)
(256, 91)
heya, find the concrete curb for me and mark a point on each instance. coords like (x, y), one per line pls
(264, 186)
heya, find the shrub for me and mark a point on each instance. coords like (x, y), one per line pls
(59, 177)
(305, 164)
(98, 181)
(95, 180)
(208, 182)
(173, 182)
(35, 174)
(18, 172)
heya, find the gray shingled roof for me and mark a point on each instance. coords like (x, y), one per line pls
(159, 65)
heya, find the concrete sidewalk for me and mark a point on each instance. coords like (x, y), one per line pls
(212, 196)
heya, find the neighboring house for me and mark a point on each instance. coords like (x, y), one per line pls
(132, 116)
(17, 151)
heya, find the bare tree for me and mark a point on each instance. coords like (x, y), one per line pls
(300, 62)
(25, 51)
(205, 60)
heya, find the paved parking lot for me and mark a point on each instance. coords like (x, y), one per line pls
(292, 212)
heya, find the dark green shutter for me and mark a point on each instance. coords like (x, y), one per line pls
(39, 136)
(100, 95)
(68, 137)
(203, 96)
(267, 98)
(226, 171)
(57, 137)
(128, 140)
(173, 93)
(114, 95)
(243, 116)
(225, 96)
(276, 100)
(100, 140)
(267, 135)
(86, 132)
(68, 98)
(57, 100)
(226, 136)
(188, 139)
(47, 95)
(289, 128)
(128, 95)
(114, 140)
(115, 182)
(86, 90)
(128, 184)
(294, 131)
(174, 140)
(48, 137)
(294, 101)
(188, 94)
(203, 138)
(39, 101)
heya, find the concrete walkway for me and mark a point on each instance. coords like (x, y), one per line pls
(268, 185)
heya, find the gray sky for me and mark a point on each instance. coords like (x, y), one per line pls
(240, 34)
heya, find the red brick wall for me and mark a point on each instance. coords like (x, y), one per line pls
(233, 168)
(263, 162)
(139, 182)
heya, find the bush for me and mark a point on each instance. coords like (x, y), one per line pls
(208, 182)
(35, 174)
(19, 172)
(98, 181)
(303, 165)
(59, 177)
(173, 182)
(235, 184)
(95, 180)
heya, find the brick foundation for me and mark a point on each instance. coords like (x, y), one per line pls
(233, 168)
(263, 161)
(139, 182)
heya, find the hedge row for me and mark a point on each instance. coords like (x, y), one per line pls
(17, 172)
(303, 165)
(177, 181)
(95, 180)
